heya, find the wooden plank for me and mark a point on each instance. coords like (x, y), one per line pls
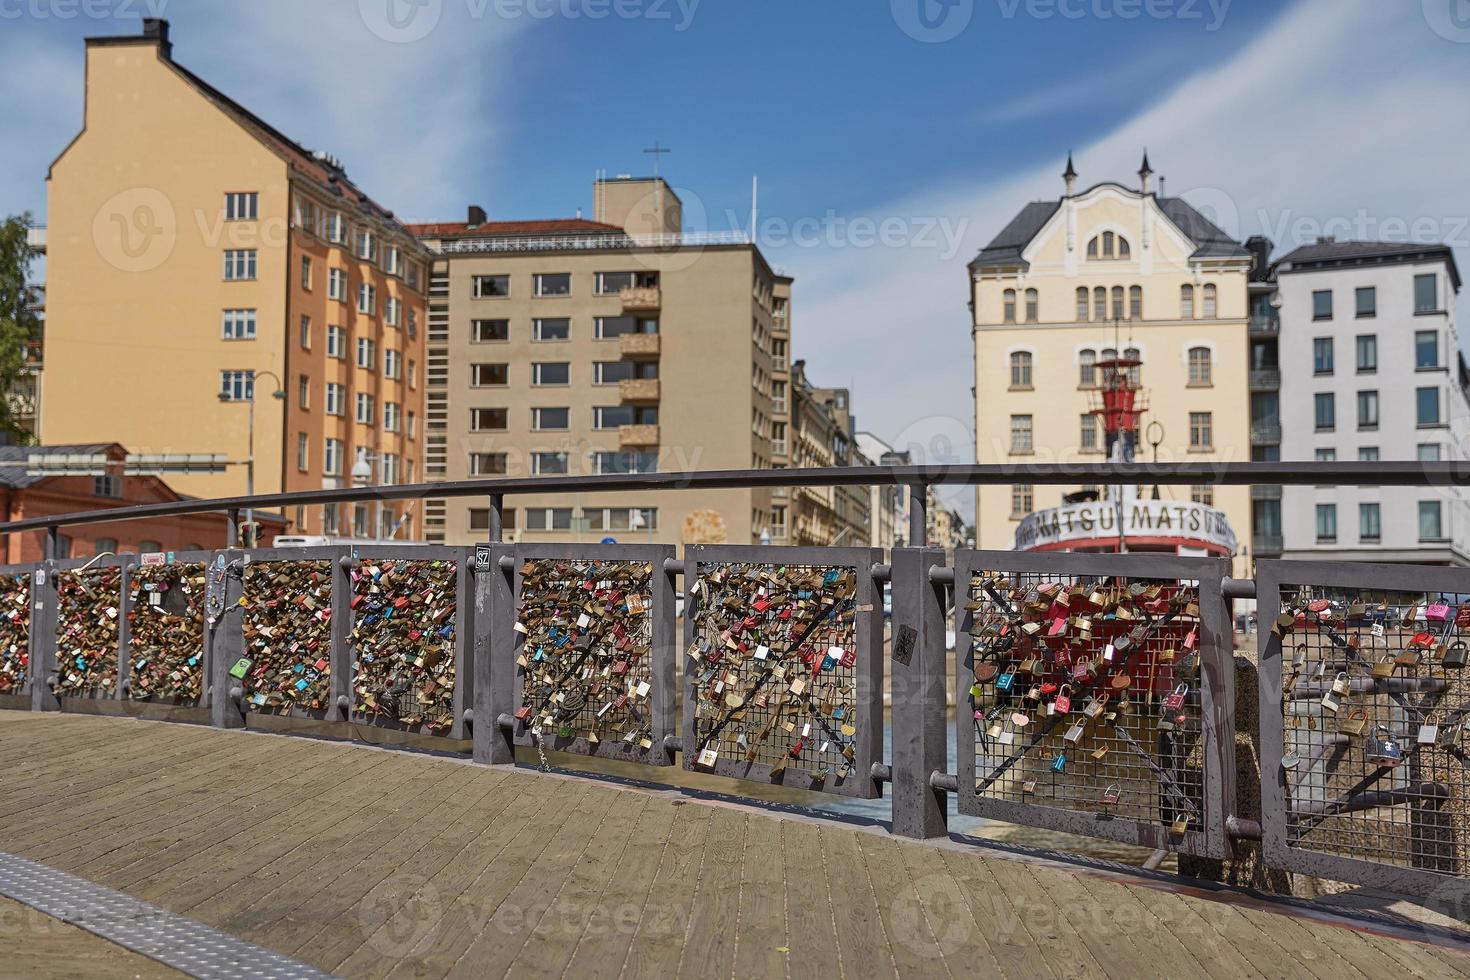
(40, 946)
(1313, 956)
(762, 929)
(961, 942)
(1011, 942)
(658, 942)
(1420, 958)
(714, 903)
(808, 911)
(1205, 945)
(906, 929)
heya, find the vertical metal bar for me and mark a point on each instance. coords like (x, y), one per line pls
(227, 644)
(464, 640)
(339, 696)
(232, 528)
(495, 666)
(43, 632)
(497, 518)
(918, 515)
(918, 688)
(665, 652)
(124, 626)
(50, 546)
(1217, 703)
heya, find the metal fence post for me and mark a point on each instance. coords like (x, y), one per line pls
(42, 665)
(339, 689)
(494, 674)
(917, 690)
(224, 587)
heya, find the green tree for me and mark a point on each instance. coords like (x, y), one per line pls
(19, 324)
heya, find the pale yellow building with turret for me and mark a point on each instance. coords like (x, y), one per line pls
(1071, 282)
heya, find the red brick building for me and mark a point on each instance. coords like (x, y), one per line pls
(23, 495)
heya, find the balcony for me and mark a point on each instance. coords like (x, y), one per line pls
(641, 299)
(1266, 545)
(1265, 433)
(1264, 325)
(637, 436)
(778, 447)
(638, 389)
(639, 345)
(1265, 379)
(36, 238)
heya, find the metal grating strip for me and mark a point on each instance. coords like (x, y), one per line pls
(173, 940)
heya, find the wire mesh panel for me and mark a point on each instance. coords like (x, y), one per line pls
(15, 631)
(165, 615)
(1365, 708)
(1095, 695)
(406, 649)
(88, 621)
(287, 626)
(594, 663)
(784, 668)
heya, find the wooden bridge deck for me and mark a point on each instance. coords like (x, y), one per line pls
(373, 863)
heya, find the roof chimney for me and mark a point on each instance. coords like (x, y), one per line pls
(156, 28)
(476, 216)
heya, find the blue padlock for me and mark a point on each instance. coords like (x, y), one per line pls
(1059, 764)
(1005, 682)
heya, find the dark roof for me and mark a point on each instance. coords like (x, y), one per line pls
(550, 226)
(1209, 239)
(1323, 253)
(15, 477)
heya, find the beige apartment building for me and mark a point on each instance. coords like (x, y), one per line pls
(824, 435)
(197, 258)
(614, 345)
(1097, 273)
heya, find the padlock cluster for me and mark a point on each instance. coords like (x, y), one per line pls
(1389, 677)
(774, 666)
(403, 666)
(86, 632)
(166, 633)
(585, 658)
(287, 626)
(1086, 693)
(15, 632)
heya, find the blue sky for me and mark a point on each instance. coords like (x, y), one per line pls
(1344, 116)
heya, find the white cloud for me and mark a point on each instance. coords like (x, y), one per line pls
(1341, 111)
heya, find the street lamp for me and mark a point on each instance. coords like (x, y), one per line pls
(280, 395)
(362, 475)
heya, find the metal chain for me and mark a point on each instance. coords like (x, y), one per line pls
(540, 747)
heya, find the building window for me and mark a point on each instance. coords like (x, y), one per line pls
(1426, 406)
(1426, 293)
(335, 229)
(105, 546)
(1426, 350)
(613, 327)
(1199, 366)
(306, 272)
(553, 283)
(392, 413)
(548, 519)
(365, 411)
(551, 373)
(491, 287)
(1201, 431)
(337, 284)
(623, 519)
(241, 205)
(239, 325)
(1431, 527)
(1020, 369)
(1087, 368)
(489, 331)
(1022, 497)
(367, 245)
(303, 452)
(1099, 303)
(367, 353)
(489, 419)
(1366, 301)
(606, 463)
(239, 263)
(1082, 303)
(1325, 408)
(336, 401)
(544, 329)
(411, 434)
(612, 283)
(413, 324)
(549, 464)
(393, 261)
(488, 464)
(1370, 522)
(1021, 441)
(1108, 246)
(1135, 370)
(1032, 305)
(367, 299)
(1325, 454)
(305, 337)
(107, 486)
(1429, 452)
(1367, 410)
(1186, 302)
(332, 457)
(1367, 346)
(1135, 302)
(392, 310)
(489, 375)
(550, 419)
(1210, 310)
(1088, 438)
(392, 363)
(480, 518)
(236, 386)
(1368, 454)
(1008, 306)
(1117, 295)
(1322, 355)
(412, 374)
(1326, 523)
(303, 391)
(1322, 304)
(1202, 493)
(388, 473)
(336, 342)
(614, 416)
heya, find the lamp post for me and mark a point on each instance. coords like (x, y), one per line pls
(280, 395)
(362, 475)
